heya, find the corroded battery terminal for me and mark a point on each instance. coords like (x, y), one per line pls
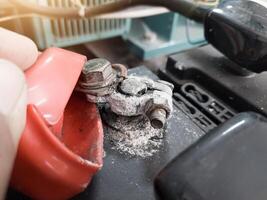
(106, 83)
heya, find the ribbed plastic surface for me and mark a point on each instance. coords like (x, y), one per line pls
(63, 32)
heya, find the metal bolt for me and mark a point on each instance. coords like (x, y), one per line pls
(133, 87)
(158, 118)
(96, 72)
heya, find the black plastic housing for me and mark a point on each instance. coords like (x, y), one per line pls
(229, 163)
(238, 28)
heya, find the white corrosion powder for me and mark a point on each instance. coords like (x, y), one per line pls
(134, 136)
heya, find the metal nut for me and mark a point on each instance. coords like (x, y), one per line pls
(160, 100)
(131, 86)
(97, 72)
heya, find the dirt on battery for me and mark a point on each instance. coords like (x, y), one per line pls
(134, 136)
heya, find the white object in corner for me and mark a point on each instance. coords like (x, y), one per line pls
(13, 104)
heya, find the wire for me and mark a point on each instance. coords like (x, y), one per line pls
(210, 3)
(18, 16)
(135, 12)
(187, 8)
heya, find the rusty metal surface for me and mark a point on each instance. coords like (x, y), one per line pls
(126, 95)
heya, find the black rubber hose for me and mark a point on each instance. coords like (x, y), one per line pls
(187, 8)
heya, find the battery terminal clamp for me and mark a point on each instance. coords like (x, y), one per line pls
(108, 84)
